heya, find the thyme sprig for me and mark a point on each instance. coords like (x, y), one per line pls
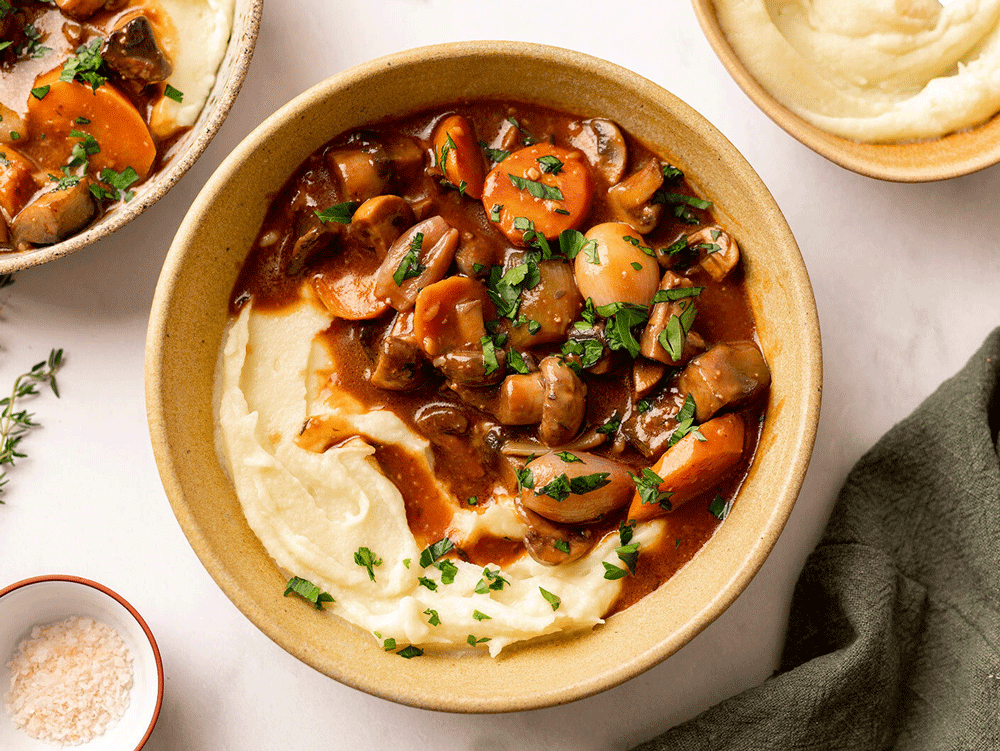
(15, 424)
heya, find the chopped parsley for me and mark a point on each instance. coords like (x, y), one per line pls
(66, 181)
(81, 152)
(367, 560)
(674, 334)
(505, 291)
(648, 486)
(429, 583)
(432, 552)
(480, 616)
(448, 571)
(494, 155)
(525, 479)
(435, 619)
(625, 532)
(568, 457)
(532, 237)
(495, 212)
(622, 318)
(516, 362)
(489, 354)
(612, 571)
(635, 242)
(572, 241)
(670, 172)
(491, 581)
(629, 555)
(389, 644)
(678, 293)
(339, 212)
(720, 507)
(589, 351)
(473, 641)
(15, 136)
(550, 598)
(561, 545)
(118, 182)
(527, 138)
(685, 423)
(611, 426)
(473, 501)
(309, 591)
(550, 164)
(535, 188)
(679, 204)
(82, 121)
(85, 64)
(410, 267)
(40, 92)
(562, 486)
(410, 651)
(33, 46)
(171, 93)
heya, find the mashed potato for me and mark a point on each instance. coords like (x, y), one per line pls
(313, 511)
(873, 70)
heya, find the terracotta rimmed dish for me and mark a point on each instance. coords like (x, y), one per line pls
(920, 161)
(189, 314)
(48, 599)
(232, 71)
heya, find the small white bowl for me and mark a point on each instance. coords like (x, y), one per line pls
(50, 599)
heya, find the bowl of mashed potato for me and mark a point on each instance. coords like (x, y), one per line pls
(902, 91)
(295, 512)
(105, 105)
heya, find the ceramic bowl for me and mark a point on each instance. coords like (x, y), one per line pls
(920, 161)
(189, 314)
(50, 599)
(183, 154)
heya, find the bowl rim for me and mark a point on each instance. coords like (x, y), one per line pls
(164, 180)
(892, 162)
(168, 463)
(132, 611)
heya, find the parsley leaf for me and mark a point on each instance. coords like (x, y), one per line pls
(685, 422)
(491, 581)
(448, 571)
(720, 507)
(429, 583)
(648, 486)
(526, 138)
(629, 555)
(367, 559)
(572, 241)
(432, 552)
(550, 164)
(473, 641)
(561, 545)
(479, 616)
(516, 362)
(611, 426)
(389, 644)
(678, 293)
(622, 318)
(552, 599)
(525, 479)
(494, 155)
(171, 93)
(40, 92)
(339, 212)
(410, 267)
(674, 334)
(410, 651)
(435, 619)
(309, 591)
(612, 572)
(562, 486)
(535, 188)
(568, 457)
(84, 65)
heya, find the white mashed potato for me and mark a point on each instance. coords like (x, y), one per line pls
(195, 44)
(873, 70)
(313, 511)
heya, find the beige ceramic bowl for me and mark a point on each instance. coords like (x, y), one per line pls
(189, 313)
(921, 161)
(185, 152)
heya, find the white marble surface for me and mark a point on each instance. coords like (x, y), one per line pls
(906, 279)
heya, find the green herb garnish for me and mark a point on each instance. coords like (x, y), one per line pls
(368, 560)
(309, 591)
(550, 598)
(535, 188)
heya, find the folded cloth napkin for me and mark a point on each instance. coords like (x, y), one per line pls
(894, 633)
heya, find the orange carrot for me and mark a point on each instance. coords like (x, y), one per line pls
(691, 467)
(463, 161)
(546, 185)
(449, 315)
(105, 114)
(346, 284)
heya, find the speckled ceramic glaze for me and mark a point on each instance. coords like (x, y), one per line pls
(189, 314)
(232, 71)
(921, 161)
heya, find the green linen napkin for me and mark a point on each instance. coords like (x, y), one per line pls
(894, 634)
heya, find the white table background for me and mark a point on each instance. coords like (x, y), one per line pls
(906, 280)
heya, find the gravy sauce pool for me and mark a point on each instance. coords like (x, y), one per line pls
(466, 441)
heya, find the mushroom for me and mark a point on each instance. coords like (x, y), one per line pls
(725, 375)
(542, 539)
(423, 261)
(379, 222)
(604, 146)
(631, 200)
(555, 397)
(17, 182)
(79, 10)
(645, 375)
(399, 363)
(132, 51)
(476, 254)
(721, 253)
(554, 303)
(659, 319)
(468, 367)
(53, 216)
(366, 168)
(576, 487)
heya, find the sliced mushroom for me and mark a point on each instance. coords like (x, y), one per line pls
(631, 199)
(400, 362)
(53, 216)
(594, 333)
(367, 168)
(468, 367)
(132, 51)
(565, 403)
(450, 314)
(379, 222)
(429, 262)
(718, 251)
(726, 375)
(645, 375)
(553, 303)
(604, 146)
(691, 342)
(13, 122)
(521, 398)
(552, 544)
(577, 487)
(476, 254)
(649, 431)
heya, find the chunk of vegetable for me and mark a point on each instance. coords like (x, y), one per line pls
(449, 314)
(346, 285)
(611, 487)
(631, 199)
(132, 50)
(463, 159)
(418, 258)
(565, 403)
(553, 303)
(692, 466)
(53, 216)
(399, 361)
(623, 272)
(688, 343)
(523, 191)
(725, 375)
(379, 222)
(552, 544)
(604, 146)
(79, 10)
(17, 182)
(114, 122)
(718, 251)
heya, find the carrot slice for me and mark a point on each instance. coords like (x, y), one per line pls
(449, 315)
(546, 185)
(691, 467)
(463, 161)
(105, 114)
(346, 284)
